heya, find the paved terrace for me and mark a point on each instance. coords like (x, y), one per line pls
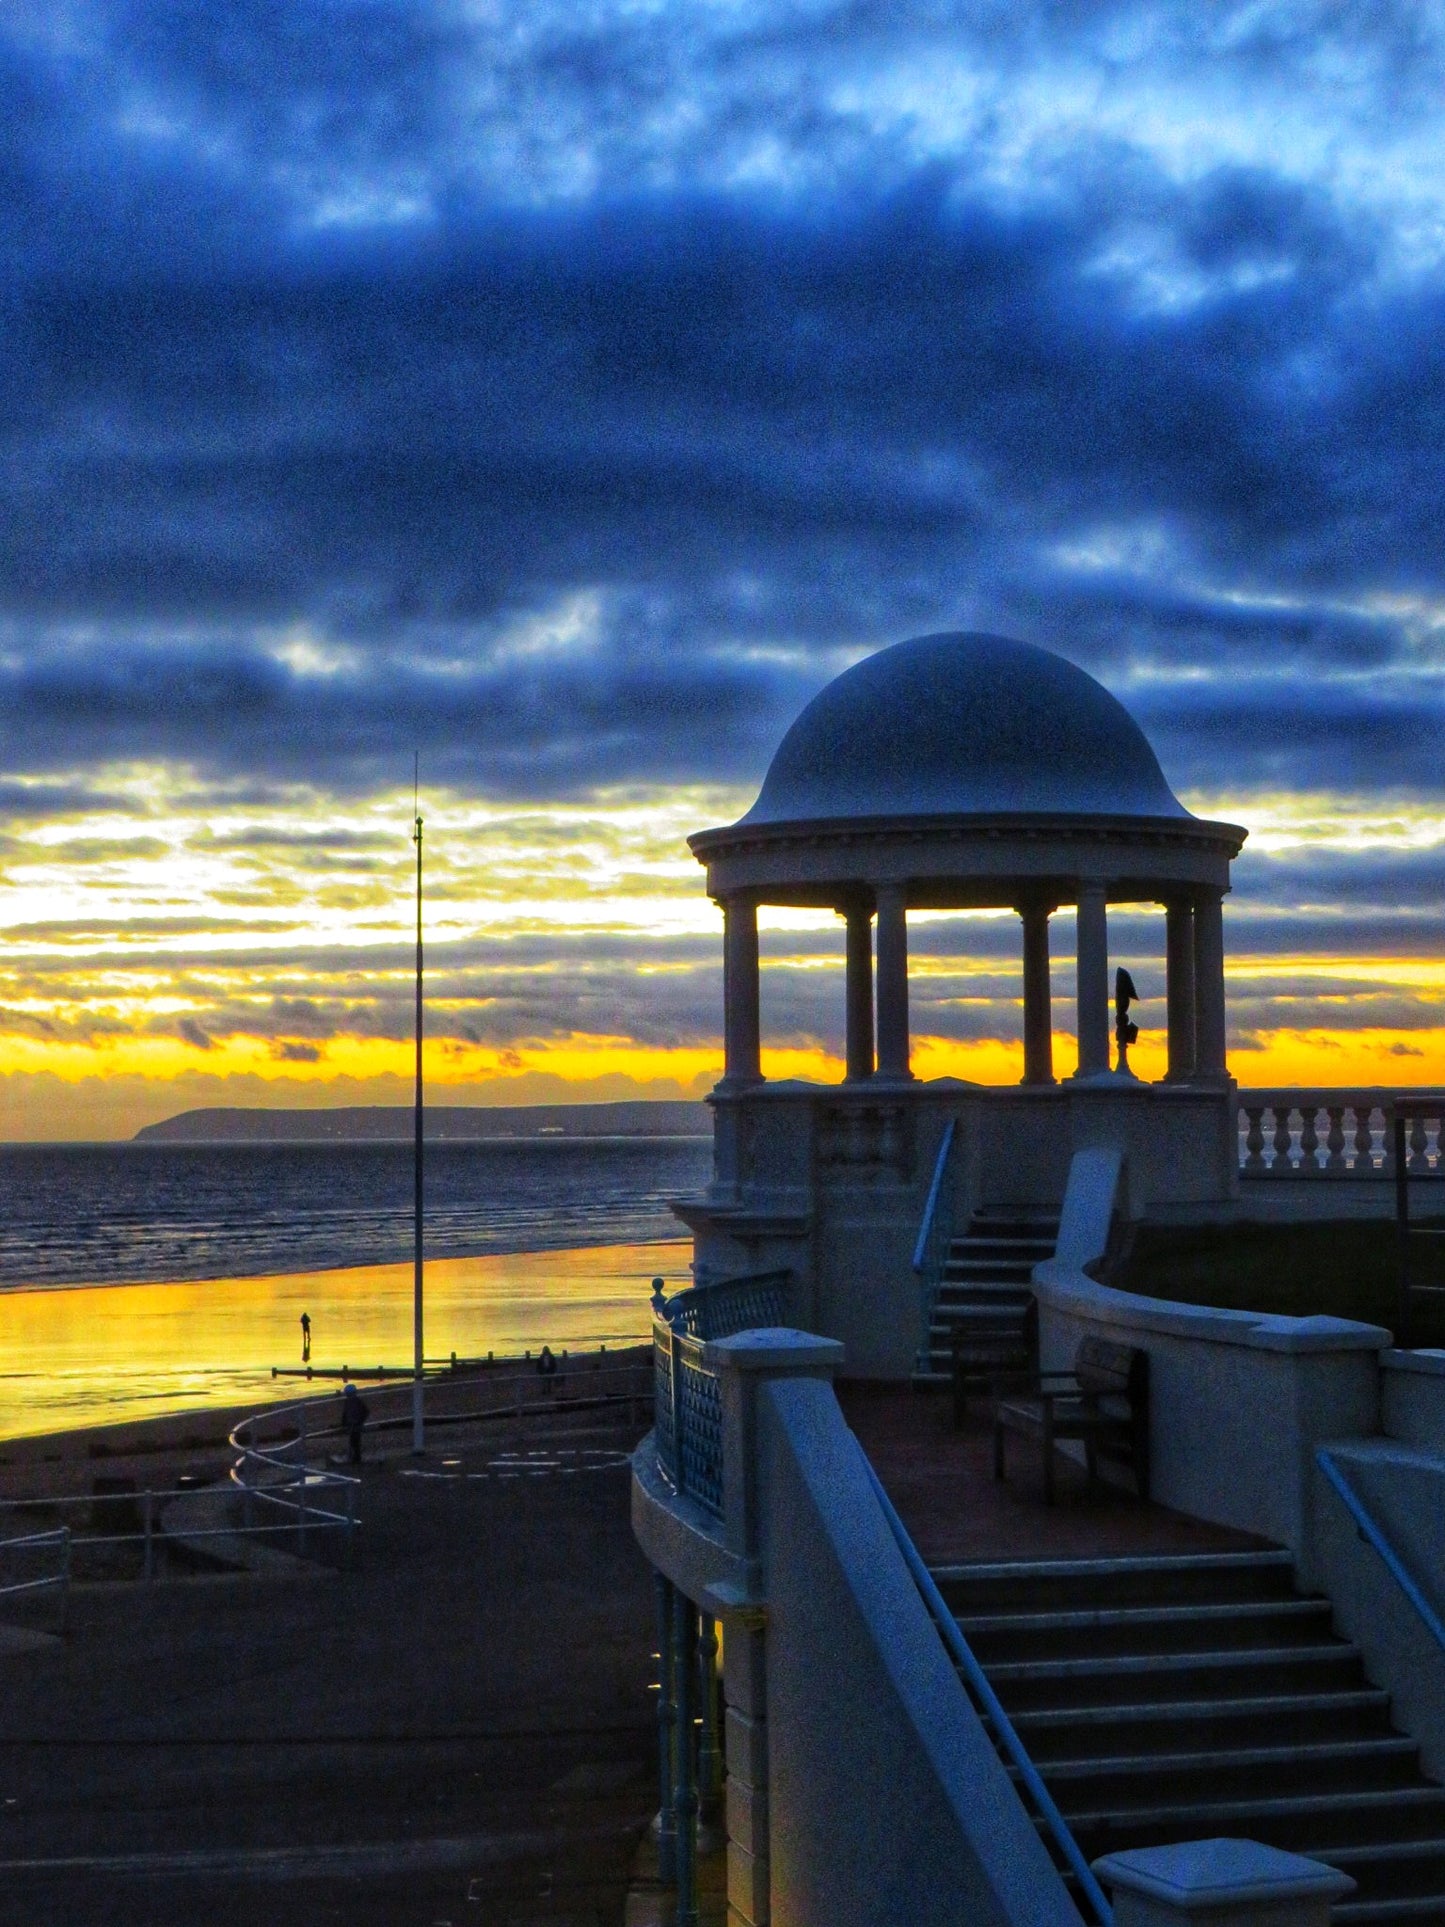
(943, 1486)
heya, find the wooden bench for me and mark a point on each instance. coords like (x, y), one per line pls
(1104, 1402)
(994, 1352)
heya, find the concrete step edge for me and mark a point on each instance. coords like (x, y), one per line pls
(1309, 1752)
(1086, 1619)
(1013, 1671)
(1165, 1562)
(1262, 1705)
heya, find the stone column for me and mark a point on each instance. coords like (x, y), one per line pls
(1209, 1018)
(741, 1035)
(1038, 1000)
(1092, 979)
(860, 991)
(1179, 955)
(893, 981)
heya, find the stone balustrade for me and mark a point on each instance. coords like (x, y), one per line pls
(1332, 1134)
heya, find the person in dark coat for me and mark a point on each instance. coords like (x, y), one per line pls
(354, 1414)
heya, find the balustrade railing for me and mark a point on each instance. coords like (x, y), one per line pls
(688, 1404)
(1334, 1134)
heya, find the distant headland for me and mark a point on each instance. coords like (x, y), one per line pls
(220, 1124)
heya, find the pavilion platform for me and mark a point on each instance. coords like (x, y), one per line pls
(956, 1512)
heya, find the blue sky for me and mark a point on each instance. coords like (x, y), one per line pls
(568, 391)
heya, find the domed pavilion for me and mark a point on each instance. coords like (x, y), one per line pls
(956, 772)
(966, 772)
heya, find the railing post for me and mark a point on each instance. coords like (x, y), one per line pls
(301, 1511)
(65, 1568)
(148, 1517)
(667, 1813)
(1335, 1141)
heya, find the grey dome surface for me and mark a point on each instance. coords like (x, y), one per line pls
(963, 724)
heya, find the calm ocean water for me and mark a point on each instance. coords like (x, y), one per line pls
(527, 1243)
(115, 1213)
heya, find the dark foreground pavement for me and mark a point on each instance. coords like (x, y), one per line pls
(462, 1731)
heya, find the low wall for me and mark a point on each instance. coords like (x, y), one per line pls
(932, 1830)
(1238, 1401)
(1412, 1398)
(1403, 1490)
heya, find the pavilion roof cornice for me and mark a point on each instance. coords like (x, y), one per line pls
(1136, 832)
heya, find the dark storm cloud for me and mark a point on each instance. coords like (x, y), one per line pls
(407, 333)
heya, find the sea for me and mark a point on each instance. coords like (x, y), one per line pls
(143, 1279)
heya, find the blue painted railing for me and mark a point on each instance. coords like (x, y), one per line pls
(1375, 1538)
(935, 1233)
(686, 1394)
(961, 1653)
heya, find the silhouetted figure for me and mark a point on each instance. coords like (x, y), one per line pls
(354, 1414)
(305, 1338)
(1125, 1032)
(546, 1365)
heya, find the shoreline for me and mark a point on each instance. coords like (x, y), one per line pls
(608, 1243)
(91, 1358)
(204, 1431)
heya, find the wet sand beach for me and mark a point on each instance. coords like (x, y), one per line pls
(85, 1355)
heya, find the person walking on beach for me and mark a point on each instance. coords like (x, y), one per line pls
(305, 1338)
(354, 1414)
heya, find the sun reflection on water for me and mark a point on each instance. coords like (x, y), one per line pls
(101, 1355)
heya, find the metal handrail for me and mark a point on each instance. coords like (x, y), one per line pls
(1375, 1538)
(56, 1536)
(935, 1191)
(961, 1653)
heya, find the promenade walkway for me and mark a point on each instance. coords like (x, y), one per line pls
(461, 1731)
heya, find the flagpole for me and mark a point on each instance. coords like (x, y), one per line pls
(418, 1428)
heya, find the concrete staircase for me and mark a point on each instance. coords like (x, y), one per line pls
(985, 1280)
(1177, 1698)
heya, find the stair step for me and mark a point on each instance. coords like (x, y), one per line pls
(1244, 1625)
(1324, 1768)
(1142, 1617)
(1389, 1870)
(1150, 1580)
(1281, 1820)
(1365, 1913)
(1065, 1731)
(1199, 1675)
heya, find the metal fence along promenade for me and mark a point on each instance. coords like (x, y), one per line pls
(688, 1411)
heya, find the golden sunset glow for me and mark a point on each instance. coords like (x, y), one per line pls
(180, 946)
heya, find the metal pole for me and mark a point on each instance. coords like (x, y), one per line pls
(667, 1815)
(709, 1751)
(149, 1517)
(684, 1663)
(418, 1423)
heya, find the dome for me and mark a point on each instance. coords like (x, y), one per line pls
(963, 724)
